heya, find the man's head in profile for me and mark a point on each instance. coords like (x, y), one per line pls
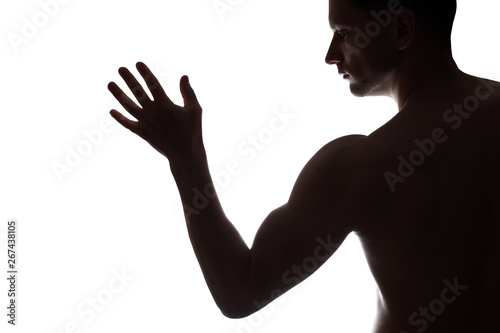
(380, 45)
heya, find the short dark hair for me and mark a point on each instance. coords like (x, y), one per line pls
(437, 16)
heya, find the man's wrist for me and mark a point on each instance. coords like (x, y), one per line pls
(189, 165)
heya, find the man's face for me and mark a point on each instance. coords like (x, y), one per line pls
(362, 49)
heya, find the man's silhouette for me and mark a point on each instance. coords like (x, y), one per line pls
(421, 192)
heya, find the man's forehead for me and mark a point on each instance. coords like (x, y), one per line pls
(343, 14)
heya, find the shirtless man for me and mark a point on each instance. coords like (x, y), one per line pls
(421, 192)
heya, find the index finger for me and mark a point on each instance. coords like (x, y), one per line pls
(152, 83)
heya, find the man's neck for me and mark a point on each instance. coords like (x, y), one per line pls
(421, 78)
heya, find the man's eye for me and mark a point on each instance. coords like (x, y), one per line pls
(343, 34)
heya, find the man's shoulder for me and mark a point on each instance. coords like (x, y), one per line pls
(337, 162)
(353, 164)
(342, 151)
(346, 141)
(334, 180)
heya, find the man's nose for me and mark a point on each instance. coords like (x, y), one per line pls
(334, 55)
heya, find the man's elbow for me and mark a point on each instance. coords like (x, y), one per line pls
(234, 313)
(238, 313)
(237, 310)
(241, 309)
(243, 300)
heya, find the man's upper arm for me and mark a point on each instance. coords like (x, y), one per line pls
(297, 238)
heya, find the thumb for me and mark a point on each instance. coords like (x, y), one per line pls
(188, 93)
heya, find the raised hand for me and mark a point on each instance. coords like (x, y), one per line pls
(173, 130)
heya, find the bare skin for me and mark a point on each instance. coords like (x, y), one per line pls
(428, 230)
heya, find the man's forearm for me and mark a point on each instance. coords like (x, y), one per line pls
(221, 252)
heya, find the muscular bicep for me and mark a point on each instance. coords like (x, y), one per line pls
(285, 251)
(297, 238)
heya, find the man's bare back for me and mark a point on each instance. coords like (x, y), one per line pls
(431, 236)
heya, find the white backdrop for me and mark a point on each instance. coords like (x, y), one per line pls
(102, 242)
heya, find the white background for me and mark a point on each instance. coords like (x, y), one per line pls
(119, 210)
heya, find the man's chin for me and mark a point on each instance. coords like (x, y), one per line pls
(363, 89)
(358, 91)
(366, 88)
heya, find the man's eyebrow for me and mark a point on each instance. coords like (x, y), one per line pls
(338, 26)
